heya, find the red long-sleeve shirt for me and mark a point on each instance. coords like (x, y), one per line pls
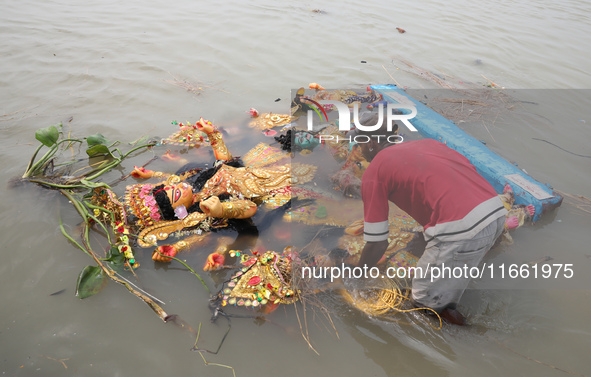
(435, 185)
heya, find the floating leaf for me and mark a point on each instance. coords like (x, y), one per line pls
(97, 150)
(115, 257)
(96, 139)
(48, 135)
(90, 281)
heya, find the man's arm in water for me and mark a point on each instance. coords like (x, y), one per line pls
(372, 253)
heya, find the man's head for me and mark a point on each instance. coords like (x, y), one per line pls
(371, 142)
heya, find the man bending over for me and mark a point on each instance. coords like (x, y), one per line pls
(460, 212)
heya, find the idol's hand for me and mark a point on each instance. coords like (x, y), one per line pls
(512, 222)
(139, 172)
(356, 228)
(212, 207)
(215, 261)
(166, 251)
(205, 126)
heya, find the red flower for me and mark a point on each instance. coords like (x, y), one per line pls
(166, 251)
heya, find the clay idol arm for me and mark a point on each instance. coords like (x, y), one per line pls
(220, 150)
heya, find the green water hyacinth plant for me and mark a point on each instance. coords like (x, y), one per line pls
(117, 261)
(97, 146)
(78, 189)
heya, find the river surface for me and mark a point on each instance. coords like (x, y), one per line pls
(118, 68)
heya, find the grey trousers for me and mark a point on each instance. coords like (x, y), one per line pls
(445, 268)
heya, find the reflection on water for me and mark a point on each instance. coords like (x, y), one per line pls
(107, 67)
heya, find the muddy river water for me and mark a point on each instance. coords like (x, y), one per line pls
(121, 68)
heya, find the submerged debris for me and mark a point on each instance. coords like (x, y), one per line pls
(539, 261)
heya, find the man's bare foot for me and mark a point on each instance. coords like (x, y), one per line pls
(453, 316)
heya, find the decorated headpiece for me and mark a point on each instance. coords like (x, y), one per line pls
(114, 214)
(140, 201)
(105, 198)
(264, 279)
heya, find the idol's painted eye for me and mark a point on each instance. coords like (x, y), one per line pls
(177, 195)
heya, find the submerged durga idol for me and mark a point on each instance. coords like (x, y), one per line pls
(197, 200)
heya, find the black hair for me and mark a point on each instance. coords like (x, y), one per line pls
(163, 203)
(286, 141)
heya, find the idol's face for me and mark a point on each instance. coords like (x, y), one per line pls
(305, 140)
(180, 194)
